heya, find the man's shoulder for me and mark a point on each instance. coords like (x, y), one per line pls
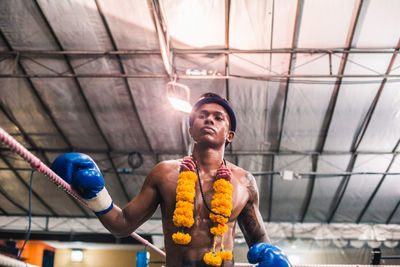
(167, 165)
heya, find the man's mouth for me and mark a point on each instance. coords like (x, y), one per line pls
(208, 129)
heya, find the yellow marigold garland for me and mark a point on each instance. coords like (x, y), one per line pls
(221, 207)
(183, 214)
(221, 204)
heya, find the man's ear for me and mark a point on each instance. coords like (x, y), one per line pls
(230, 136)
(190, 132)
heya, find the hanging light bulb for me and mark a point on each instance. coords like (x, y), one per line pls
(179, 95)
(180, 104)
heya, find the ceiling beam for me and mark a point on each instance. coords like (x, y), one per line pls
(43, 105)
(12, 201)
(35, 194)
(81, 91)
(121, 66)
(292, 59)
(48, 112)
(331, 109)
(389, 68)
(221, 51)
(267, 77)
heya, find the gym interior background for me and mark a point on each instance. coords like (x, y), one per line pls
(314, 84)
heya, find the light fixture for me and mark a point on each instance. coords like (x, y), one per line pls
(179, 95)
(76, 255)
(289, 175)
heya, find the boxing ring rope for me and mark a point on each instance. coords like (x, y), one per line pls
(7, 261)
(38, 165)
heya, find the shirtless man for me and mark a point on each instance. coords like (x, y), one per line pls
(212, 127)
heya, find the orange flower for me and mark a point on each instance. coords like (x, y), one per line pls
(219, 230)
(213, 259)
(181, 238)
(225, 255)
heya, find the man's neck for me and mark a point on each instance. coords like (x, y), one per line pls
(208, 159)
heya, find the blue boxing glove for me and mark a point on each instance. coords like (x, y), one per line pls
(267, 255)
(82, 173)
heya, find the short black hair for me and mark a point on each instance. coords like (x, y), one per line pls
(214, 98)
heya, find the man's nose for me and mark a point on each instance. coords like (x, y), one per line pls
(208, 120)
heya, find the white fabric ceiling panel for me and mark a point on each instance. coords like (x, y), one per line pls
(291, 193)
(27, 110)
(51, 194)
(249, 100)
(396, 216)
(372, 32)
(163, 127)
(252, 163)
(132, 178)
(8, 207)
(386, 198)
(258, 64)
(258, 164)
(322, 27)
(252, 21)
(131, 24)
(349, 115)
(121, 128)
(63, 99)
(360, 187)
(368, 64)
(306, 108)
(15, 160)
(396, 66)
(32, 31)
(199, 24)
(307, 103)
(132, 183)
(325, 187)
(14, 186)
(143, 64)
(85, 30)
(109, 92)
(275, 99)
(386, 118)
(284, 21)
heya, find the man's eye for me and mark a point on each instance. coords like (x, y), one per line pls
(218, 118)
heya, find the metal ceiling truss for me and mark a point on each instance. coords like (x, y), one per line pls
(121, 66)
(33, 145)
(226, 46)
(81, 91)
(292, 58)
(52, 119)
(331, 109)
(357, 141)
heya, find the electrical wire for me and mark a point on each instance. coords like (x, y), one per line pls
(28, 232)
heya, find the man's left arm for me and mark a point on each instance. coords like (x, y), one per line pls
(252, 225)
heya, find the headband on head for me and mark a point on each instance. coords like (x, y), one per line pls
(214, 98)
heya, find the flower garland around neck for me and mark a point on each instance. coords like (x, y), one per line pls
(221, 208)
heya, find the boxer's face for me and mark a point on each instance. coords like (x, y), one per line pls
(211, 125)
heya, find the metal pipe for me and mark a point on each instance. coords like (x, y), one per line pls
(202, 51)
(206, 77)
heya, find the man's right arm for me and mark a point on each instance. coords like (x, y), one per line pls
(122, 222)
(82, 173)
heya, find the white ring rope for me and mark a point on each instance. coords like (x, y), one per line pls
(38, 165)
